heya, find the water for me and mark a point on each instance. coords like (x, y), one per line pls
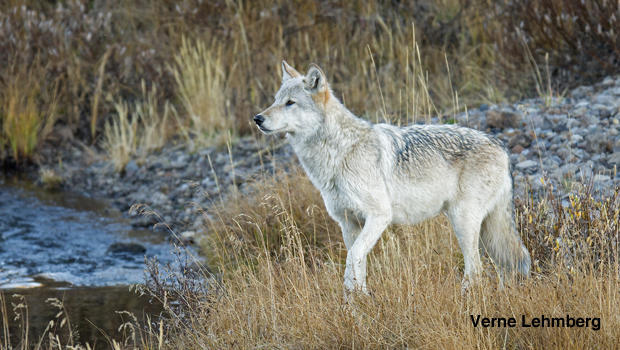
(58, 244)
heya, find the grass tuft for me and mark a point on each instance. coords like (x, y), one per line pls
(27, 112)
(137, 129)
(201, 88)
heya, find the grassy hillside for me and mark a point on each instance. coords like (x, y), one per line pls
(128, 76)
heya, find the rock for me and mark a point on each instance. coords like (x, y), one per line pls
(144, 220)
(517, 149)
(131, 168)
(179, 163)
(159, 199)
(560, 127)
(608, 81)
(526, 164)
(603, 111)
(522, 139)
(580, 111)
(614, 159)
(606, 100)
(596, 143)
(188, 237)
(601, 177)
(581, 92)
(121, 248)
(502, 119)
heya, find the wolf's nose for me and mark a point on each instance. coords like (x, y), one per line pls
(259, 119)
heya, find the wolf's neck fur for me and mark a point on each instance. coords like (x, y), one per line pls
(322, 152)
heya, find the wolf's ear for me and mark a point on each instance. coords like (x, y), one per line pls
(288, 72)
(315, 79)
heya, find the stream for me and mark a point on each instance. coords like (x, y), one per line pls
(77, 249)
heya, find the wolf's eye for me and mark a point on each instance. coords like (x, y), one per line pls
(290, 102)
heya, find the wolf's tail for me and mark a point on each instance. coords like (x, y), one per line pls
(499, 237)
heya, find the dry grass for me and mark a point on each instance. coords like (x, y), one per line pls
(15, 333)
(50, 179)
(58, 333)
(243, 230)
(137, 129)
(580, 37)
(228, 54)
(27, 112)
(281, 260)
(120, 137)
(279, 254)
(201, 87)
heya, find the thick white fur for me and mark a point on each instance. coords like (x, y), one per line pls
(372, 175)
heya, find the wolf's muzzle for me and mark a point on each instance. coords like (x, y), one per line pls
(259, 119)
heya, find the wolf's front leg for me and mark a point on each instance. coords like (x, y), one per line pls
(355, 271)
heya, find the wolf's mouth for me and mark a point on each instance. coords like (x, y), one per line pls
(268, 131)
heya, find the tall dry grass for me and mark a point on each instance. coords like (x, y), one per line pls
(580, 37)
(27, 111)
(280, 262)
(58, 333)
(375, 56)
(138, 128)
(201, 88)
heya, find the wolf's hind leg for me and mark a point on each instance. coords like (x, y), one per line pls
(355, 272)
(466, 222)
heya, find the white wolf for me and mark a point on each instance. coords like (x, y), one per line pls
(372, 175)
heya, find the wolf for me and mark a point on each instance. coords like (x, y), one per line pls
(374, 175)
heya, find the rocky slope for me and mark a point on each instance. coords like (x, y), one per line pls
(570, 141)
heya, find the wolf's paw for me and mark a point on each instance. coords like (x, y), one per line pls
(351, 286)
(467, 284)
(349, 295)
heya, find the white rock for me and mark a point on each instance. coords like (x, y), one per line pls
(601, 178)
(188, 234)
(582, 104)
(526, 164)
(614, 159)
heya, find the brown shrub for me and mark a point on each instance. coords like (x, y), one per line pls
(581, 37)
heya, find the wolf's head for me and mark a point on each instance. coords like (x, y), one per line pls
(299, 106)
